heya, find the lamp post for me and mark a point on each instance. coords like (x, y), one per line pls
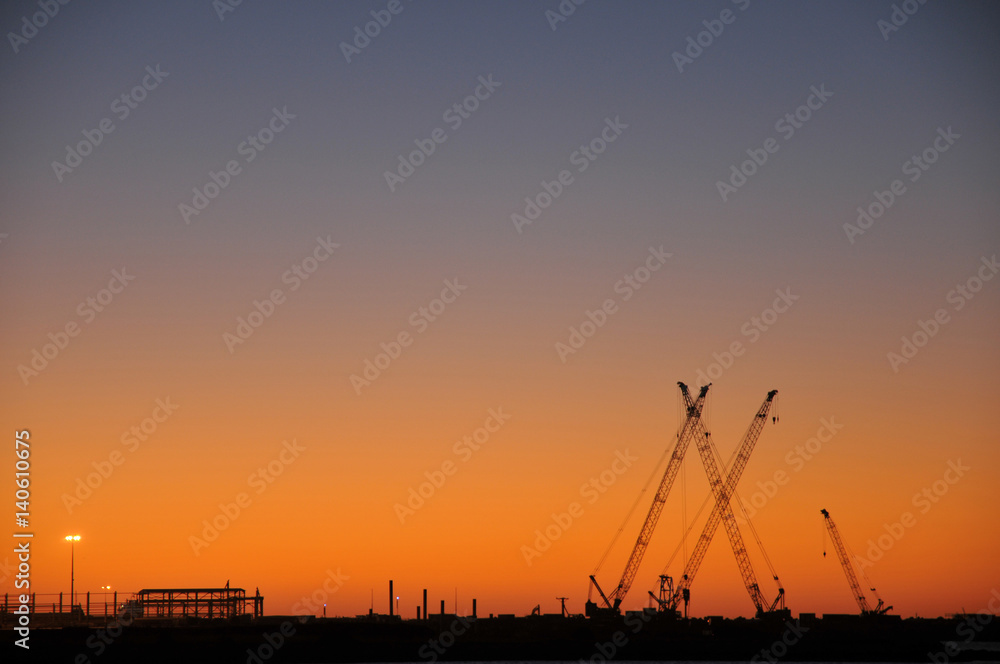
(72, 539)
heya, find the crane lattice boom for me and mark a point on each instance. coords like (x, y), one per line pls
(722, 501)
(723, 496)
(852, 578)
(614, 599)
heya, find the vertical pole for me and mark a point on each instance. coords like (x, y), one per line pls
(473, 607)
(418, 612)
(72, 575)
(442, 607)
(425, 603)
(390, 598)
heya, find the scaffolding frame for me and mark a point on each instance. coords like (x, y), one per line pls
(196, 603)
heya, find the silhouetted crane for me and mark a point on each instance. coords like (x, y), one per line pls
(613, 600)
(722, 512)
(852, 578)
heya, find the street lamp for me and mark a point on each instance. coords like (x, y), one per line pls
(72, 539)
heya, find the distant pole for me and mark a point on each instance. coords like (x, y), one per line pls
(425, 603)
(390, 598)
(473, 607)
(72, 539)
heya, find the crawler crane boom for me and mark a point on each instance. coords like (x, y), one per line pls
(724, 493)
(852, 579)
(614, 599)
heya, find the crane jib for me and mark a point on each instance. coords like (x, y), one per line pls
(723, 510)
(669, 474)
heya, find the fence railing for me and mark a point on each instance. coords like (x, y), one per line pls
(87, 605)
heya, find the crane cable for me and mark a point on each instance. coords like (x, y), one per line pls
(743, 509)
(694, 522)
(697, 515)
(652, 476)
(628, 516)
(854, 559)
(760, 544)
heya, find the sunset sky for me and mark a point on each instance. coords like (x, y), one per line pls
(255, 288)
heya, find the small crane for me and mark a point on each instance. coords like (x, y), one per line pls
(852, 578)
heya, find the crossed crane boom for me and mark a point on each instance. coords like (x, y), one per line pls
(722, 512)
